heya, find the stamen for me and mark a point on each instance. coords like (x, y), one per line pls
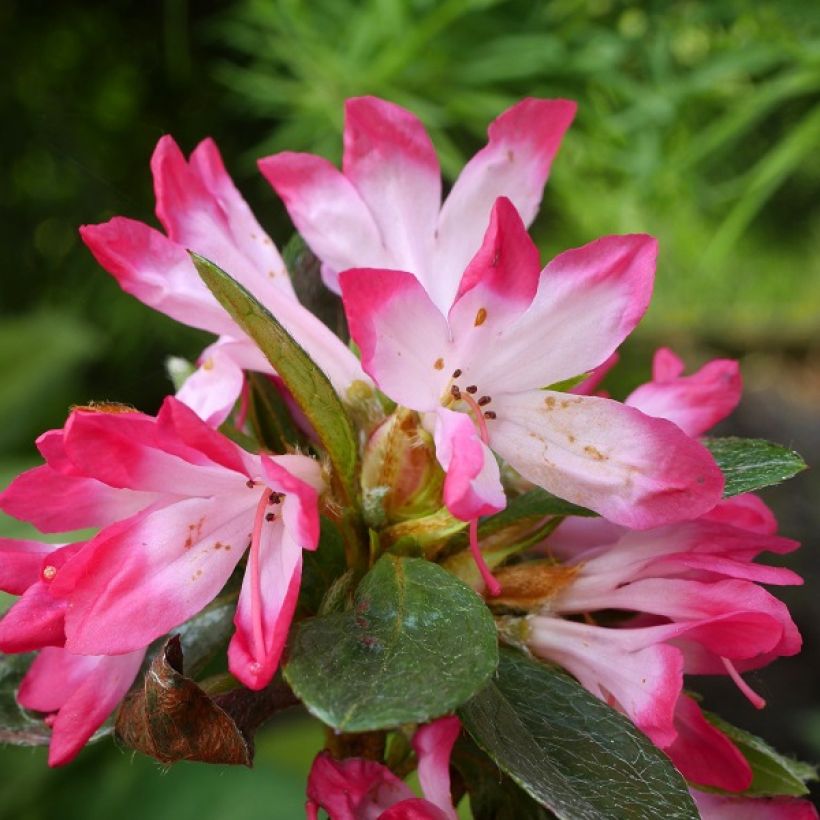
(244, 403)
(472, 388)
(484, 400)
(456, 373)
(455, 392)
(483, 433)
(250, 483)
(256, 577)
(755, 699)
(270, 517)
(493, 587)
(489, 414)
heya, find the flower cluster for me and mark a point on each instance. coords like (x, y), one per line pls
(461, 440)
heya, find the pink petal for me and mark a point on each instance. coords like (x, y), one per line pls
(299, 477)
(588, 386)
(143, 577)
(433, 745)
(628, 668)
(212, 390)
(35, 620)
(194, 218)
(327, 211)
(392, 163)
(498, 285)
(588, 300)
(747, 512)
(666, 365)
(403, 339)
(157, 271)
(721, 807)
(247, 233)
(122, 454)
(59, 503)
(695, 403)
(354, 789)
(415, 809)
(703, 754)
(21, 563)
(82, 689)
(254, 663)
(636, 471)
(472, 487)
(515, 163)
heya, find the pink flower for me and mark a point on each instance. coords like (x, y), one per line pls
(695, 403)
(384, 210)
(201, 210)
(78, 693)
(720, 807)
(358, 789)
(480, 373)
(700, 610)
(204, 501)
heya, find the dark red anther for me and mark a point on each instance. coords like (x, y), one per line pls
(484, 400)
(489, 414)
(472, 389)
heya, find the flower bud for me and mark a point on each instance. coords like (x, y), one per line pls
(401, 478)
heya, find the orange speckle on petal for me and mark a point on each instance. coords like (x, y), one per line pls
(208, 364)
(439, 365)
(480, 317)
(49, 572)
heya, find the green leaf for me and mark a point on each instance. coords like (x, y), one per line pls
(309, 386)
(416, 644)
(568, 750)
(749, 463)
(532, 505)
(774, 773)
(17, 726)
(493, 795)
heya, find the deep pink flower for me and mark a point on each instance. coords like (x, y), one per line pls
(358, 789)
(205, 501)
(384, 209)
(480, 373)
(78, 693)
(201, 210)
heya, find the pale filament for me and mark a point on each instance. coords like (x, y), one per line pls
(755, 699)
(256, 575)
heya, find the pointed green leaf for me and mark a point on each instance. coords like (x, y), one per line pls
(568, 750)
(532, 505)
(749, 464)
(269, 416)
(309, 386)
(774, 773)
(416, 644)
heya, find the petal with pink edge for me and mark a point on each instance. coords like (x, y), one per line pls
(392, 163)
(327, 211)
(403, 338)
(61, 503)
(353, 789)
(635, 470)
(588, 300)
(472, 486)
(34, 621)
(157, 271)
(624, 667)
(703, 754)
(747, 512)
(141, 578)
(498, 285)
(247, 233)
(695, 403)
(433, 745)
(515, 163)
(83, 689)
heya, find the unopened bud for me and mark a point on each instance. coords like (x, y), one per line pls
(401, 478)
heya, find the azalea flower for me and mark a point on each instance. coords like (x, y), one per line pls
(359, 789)
(480, 373)
(205, 502)
(384, 209)
(201, 210)
(721, 807)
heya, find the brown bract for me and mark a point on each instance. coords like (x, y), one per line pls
(532, 584)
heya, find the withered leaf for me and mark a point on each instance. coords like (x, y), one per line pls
(171, 718)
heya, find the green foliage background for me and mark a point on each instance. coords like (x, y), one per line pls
(699, 122)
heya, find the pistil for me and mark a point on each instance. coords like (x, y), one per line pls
(254, 567)
(755, 699)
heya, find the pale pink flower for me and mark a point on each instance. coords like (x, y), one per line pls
(481, 370)
(358, 789)
(384, 209)
(201, 210)
(205, 502)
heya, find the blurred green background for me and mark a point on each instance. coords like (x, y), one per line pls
(699, 122)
